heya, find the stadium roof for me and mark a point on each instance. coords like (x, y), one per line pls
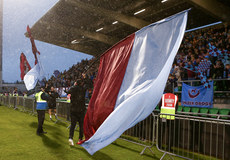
(93, 26)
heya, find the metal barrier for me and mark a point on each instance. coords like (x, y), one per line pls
(20, 103)
(28, 104)
(142, 133)
(188, 136)
(193, 137)
(63, 110)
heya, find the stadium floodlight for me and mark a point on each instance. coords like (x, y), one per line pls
(75, 42)
(164, 1)
(139, 11)
(99, 29)
(115, 22)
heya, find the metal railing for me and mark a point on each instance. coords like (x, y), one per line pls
(143, 133)
(20, 103)
(194, 137)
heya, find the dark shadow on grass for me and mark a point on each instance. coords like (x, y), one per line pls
(137, 151)
(34, 125)
(49, 142)
(97, 156)
(45, 125)
(54, 131)
(61, 123)
(53, 145)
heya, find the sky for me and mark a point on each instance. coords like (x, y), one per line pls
(17, 14)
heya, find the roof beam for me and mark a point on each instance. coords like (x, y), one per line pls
(53, 40)
(171, 4)
(81, 48)
(76, 47)
(134, 5)
(92, 35)
(214, 7)
(156, 9)
(129, 20)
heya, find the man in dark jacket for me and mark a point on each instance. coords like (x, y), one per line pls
(52, 102)
(77, 109)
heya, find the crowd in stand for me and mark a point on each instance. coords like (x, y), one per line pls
(86, 69)
(194, 48)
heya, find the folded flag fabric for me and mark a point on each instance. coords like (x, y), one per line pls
(31, 78)
(131, 79)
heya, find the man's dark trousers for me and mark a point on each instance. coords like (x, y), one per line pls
(41, 118)
(76, 117)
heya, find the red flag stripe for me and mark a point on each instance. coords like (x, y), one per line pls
(24, 65)
(113, 66)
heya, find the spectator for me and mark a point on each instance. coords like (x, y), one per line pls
(227, 75)
(41, 98)
(77, 109)
(52, 102)
(217, 72)
(168, 107)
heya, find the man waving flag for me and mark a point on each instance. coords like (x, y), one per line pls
(131, 79)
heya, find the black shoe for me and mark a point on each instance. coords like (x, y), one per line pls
(43, 132)
(40, 133)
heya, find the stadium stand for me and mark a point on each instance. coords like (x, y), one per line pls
(194, 48)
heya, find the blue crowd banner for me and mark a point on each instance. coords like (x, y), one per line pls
(197, 96)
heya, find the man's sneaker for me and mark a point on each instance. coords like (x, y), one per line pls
(80, 141)
(56, 116)
(50, 117)
(71, 142)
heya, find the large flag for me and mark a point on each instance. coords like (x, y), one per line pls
(34, 48)
(197, 96)
(131, 79)
(24, 65)
(32, 77)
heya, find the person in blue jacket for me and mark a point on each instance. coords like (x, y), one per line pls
(41, 98)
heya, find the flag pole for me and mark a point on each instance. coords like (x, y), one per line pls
(189, 69)
(86, 69)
